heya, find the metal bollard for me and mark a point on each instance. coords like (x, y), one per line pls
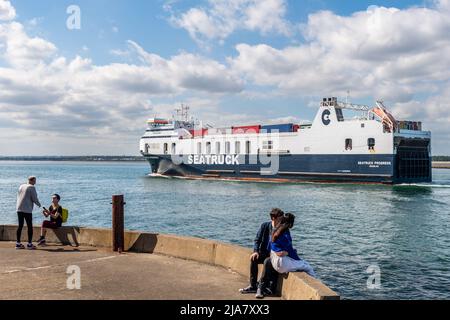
(118, 223)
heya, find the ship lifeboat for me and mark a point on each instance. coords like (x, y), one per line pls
(158, 121)
(388, 120)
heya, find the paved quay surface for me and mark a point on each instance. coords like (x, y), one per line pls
(41, 275)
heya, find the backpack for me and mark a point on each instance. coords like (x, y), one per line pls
(65, 215)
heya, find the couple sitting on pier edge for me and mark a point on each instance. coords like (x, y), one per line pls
(26, 199)
(273, 248)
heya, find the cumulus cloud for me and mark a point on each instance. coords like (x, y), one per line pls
(434, 112)
(221, 18)
(21, 50)
(49, 95)
(86, 95)
(402, 56)
(7, 11)
(381, 52)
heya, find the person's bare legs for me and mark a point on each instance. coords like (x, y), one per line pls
(43, 232)
(41, 241)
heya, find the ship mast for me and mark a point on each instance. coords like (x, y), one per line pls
(183, 113)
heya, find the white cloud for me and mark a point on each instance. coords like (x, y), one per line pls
(434, 112)
(382, 52)
(35, 21)
(267, 16)
(21, 50)
(7, 11)
(49, 96)
(401, 56)
(223, 17)
(379, 53)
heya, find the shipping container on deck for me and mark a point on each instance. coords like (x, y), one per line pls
(280, 128)
(246, 129)
(410, 125)
(219, 131)
(199, 133)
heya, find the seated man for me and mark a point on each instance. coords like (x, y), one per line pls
(261, 255)
(55, 222)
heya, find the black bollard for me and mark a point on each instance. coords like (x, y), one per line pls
(118, 223)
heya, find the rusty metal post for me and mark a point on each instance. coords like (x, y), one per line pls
(118, 223)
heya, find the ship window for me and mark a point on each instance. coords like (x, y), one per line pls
(147, 147)
(166, 148)
(208, 148)
(371, 143)
(248, 147)
(199, 148)
(227, 147)
(339, 114)
(237, 146)
(348, 144)
(217, 147)
(268, 145)
(174, 148)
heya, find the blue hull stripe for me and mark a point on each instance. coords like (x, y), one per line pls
(362, 168)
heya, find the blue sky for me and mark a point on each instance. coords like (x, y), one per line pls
(233, 61)
(147, 23)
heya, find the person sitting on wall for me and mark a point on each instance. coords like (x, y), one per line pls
(261, 255)
(283, 255)
(56, 220)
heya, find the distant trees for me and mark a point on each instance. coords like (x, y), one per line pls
(441, 158)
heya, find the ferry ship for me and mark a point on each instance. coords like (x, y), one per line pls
(369, 147)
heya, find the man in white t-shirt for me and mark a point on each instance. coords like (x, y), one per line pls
(26, 199)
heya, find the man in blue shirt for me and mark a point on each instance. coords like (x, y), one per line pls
(261, 255)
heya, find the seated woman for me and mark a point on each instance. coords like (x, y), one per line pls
(283, 255)
(55, 222)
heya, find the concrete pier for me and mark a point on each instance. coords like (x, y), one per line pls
(154, 267)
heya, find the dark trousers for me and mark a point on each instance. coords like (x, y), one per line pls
(28, 217)
(268, 277)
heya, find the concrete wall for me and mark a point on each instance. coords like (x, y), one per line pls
(295, 286)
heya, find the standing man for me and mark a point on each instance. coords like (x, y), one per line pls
(26, 199)
(261, 255)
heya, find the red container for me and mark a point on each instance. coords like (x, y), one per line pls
(199, 133)
(246, 129)
(296, 128)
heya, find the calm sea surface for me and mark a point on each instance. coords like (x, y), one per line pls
(341, 229)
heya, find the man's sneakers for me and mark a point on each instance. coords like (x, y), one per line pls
(248, 290)
(29, 246)
(19, 246)
(268, 292)
(259, 293)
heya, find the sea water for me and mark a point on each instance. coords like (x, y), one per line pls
(346, 232)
